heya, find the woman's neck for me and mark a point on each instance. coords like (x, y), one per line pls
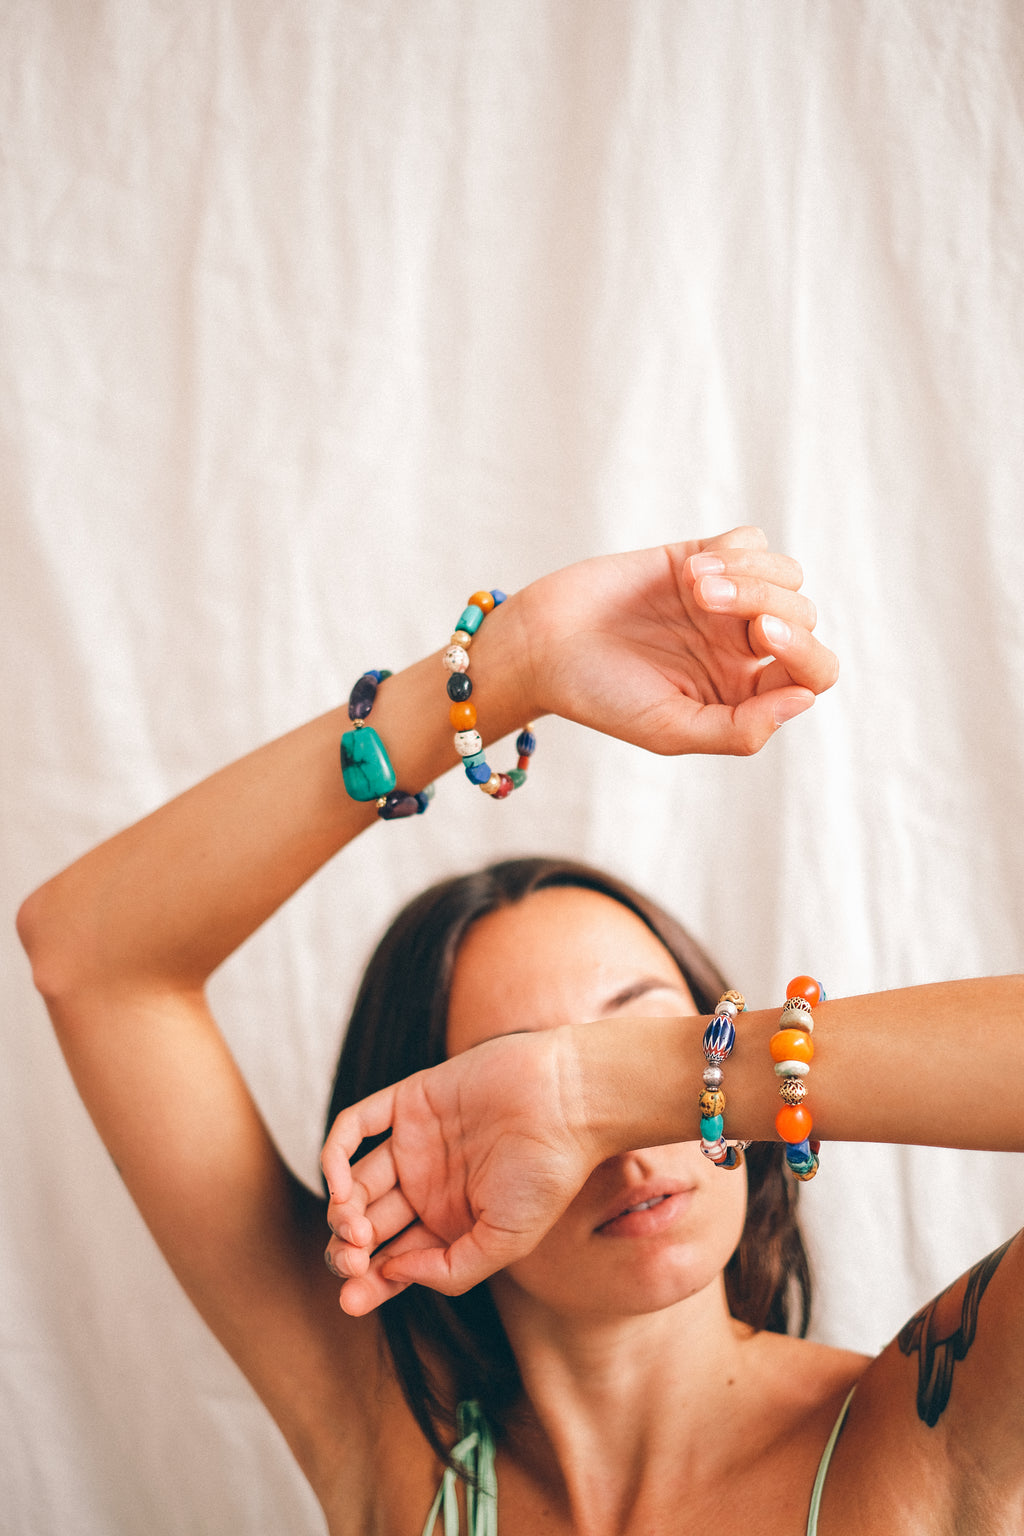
(613, 1403)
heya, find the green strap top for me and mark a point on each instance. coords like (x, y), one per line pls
(474, 1453)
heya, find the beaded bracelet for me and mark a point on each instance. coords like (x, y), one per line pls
(792, 1050)
(462, 714)
(365, 766)
(719, 1039)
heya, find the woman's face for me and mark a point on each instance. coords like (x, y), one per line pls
(649, 1227)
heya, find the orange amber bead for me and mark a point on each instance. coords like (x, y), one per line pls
(793, 1123)
(482, 600)
(791, 1045)
(462, 716)
(807, 987)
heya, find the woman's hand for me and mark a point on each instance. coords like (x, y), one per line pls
(705, 646)
(486, 1151)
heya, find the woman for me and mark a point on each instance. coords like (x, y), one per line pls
(631, 1398)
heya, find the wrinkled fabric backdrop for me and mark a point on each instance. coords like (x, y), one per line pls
(316, 317)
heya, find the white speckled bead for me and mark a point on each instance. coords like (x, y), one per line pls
(791, 1069)
(456, 658)
(468, 743)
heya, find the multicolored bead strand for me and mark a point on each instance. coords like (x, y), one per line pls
(719, 1039)
(792, 1051)
(365, 766)
(462, 714)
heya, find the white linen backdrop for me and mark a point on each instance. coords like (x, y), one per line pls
(318, 316)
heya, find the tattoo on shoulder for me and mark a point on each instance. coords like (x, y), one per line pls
(942, 1333)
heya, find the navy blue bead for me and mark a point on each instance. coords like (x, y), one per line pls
(798, 1151)
(719, 1038)
(459, 687)
(478, 774)
(360, 700)
(526, 743)
(422, 800)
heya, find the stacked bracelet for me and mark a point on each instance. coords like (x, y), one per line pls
(792, 1050)
(719, 1039)
(468, 741)
(365, 765)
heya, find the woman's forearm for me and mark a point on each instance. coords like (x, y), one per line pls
(171, 897)
(938, 1065)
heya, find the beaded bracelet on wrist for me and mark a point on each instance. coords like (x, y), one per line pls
(792, 1051)
(719, 1039)
(462, 714)
(365, 766)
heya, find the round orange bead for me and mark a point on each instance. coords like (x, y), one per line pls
(806, 987)
(793, 1123)
(791, 1045)
(482, 600)
(462, 716)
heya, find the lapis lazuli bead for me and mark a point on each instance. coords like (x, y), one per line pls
(719, 1038)
(470, 619)
(360, 700)
(365, 765)
(478, 774)
(711, 1127)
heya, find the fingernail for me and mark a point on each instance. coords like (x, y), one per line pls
(716, 589)
(788, 709)
(330, 1264)
(706, 565)
(776, 632)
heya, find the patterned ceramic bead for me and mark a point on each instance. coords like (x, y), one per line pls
(719, 1039)
(468, 743)
(737, 999)
(456, 658)
(792, 1090)
(796, 1015)
(712, 1102)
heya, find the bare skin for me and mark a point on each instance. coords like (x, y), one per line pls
(123, 942)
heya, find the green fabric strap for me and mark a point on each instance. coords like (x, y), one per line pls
(474, 1453)
(826, 1457)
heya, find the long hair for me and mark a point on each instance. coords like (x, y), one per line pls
(445, 1349)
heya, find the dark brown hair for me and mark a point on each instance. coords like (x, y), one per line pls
(446, 1349)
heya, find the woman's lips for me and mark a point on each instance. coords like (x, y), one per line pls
(647, 1214)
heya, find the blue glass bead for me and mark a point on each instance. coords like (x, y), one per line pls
(470, 619)
(711, 1127)
(526, 743)
(498, 595)
(459, 687)
(365, 765)
(360, 700)
(478, 774)
(798, 1151)
(719, 1038)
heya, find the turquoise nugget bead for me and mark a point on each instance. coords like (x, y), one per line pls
(365, 765)
(711, 1128)
(470, 619)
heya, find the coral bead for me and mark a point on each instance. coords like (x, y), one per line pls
(793, 1122)
(791, 1045)
(806, 987)
(462, 716)
(482, 600)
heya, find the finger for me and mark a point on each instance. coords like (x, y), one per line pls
(370, 1117)
(746, 536)
(738, 730)
(365, 1292)
(345, 1260)
(389, 1216)
(747, 597)
(799, 657)
(766, 565)
(370, 1179)
(454, 1270)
